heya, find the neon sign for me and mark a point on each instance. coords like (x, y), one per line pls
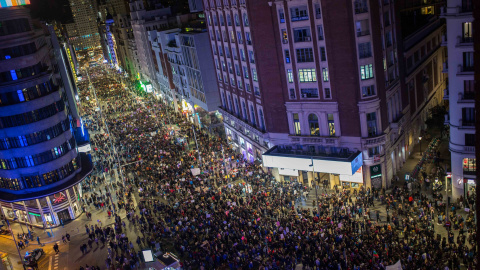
(13, 3)
(59, 197)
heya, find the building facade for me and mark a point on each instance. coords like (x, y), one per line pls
(340, 95)
(460, 94)
(83, 33)
(40, 164)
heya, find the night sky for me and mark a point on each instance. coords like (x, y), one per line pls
(49, 10)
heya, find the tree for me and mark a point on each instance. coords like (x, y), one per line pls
(436, 120)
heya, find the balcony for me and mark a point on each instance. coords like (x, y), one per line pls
(305, 139)
(303, 39)
(361, 7)
(464, 70)
(399, 122)
(468, 125)
(466, 97)
(368, 142)
(463, 41)
(299, 18)
(363, 33)
(446, 94)
(469, 149)
(458, 10)
(447, 119)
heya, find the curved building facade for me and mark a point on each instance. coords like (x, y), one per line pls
(40, 166)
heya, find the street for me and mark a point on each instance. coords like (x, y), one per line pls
(161, 183)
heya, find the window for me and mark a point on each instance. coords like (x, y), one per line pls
(388, 38)
(229, 20)
(318, 11)
(304, 55)
(287, 56)
(237, 20)
(249, 90)
(251, 57)
(325, 74)
(363, 28)
(360, 6)
(468, 89)
(220, 50)
(313, 125)
(290, 75)
(239, 37)
(245, 20)
(256, 91)
(468, 116)
(309, 92)
(366, 72)
(240, 85)
(373, 151)
(469, 139)
(364, 50)
(467, 61)
(328, 93)
(245, 72)
(284, 36)
(222, 23)
(244, 108)
(252, 114)
(467, 32)
(281, 16)
(296, 123)
(242, 55)
(302, 34)
(299, 13)
(469, 166)
(368, 90)
(323, 54)
(254, 75)
(372, 124)
(248, 38)
(331, 124)
(386, 18)
(291, 92)
(320, 32)
(307, 75)
(262, 121)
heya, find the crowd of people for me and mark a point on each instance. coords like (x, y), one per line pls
(217, 211)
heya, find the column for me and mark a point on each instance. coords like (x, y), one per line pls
(363, 124)
(323, 123)
(53, 214)
(70, 209)
(26, 213)
(40, 208)
(336, 120)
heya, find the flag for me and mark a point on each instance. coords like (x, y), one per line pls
(386, 248)
(375, 254)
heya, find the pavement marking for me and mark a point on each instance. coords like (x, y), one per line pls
(50, 264)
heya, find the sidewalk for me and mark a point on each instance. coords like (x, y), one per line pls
(74, 227)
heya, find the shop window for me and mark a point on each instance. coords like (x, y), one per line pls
(469, 166)
(331, 124)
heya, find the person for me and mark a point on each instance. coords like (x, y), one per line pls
(38, 240)
(63, 239)
(55, 247)
(68, 237)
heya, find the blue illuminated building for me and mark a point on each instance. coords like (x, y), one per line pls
(40, 165)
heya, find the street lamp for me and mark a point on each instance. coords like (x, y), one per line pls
(316, 187)
(420, 142)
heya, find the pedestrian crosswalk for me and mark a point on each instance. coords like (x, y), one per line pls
(55, 260)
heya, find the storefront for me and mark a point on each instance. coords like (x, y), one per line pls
(343, 168)
(51, 210)
(376, 176)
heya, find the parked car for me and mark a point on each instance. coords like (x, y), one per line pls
(4, 231)
(33, 256)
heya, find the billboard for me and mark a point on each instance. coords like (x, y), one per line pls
(13, 3)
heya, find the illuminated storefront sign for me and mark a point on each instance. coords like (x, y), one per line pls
(13, 3)
(59, 198)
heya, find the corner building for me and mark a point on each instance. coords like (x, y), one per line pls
(325, 84)
(40, 166)
(461, 95)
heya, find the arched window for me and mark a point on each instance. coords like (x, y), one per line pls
(313, 124)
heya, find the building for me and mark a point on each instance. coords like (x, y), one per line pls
(331, 95)
(83, 33)
(125, 44)
(41, 167)
(249, 74)
(460, 94)
(107, 39)
(193, 72)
